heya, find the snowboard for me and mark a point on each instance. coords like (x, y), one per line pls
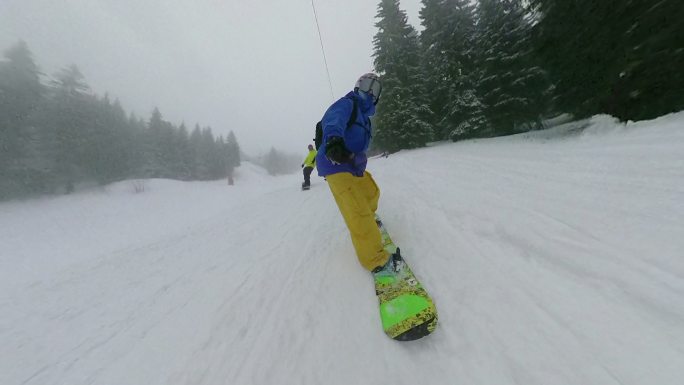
(406, 310)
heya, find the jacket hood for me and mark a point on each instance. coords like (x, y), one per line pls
(365, 104)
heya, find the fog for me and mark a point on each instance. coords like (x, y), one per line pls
(254, 67)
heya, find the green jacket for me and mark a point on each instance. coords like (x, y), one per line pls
(310, 160)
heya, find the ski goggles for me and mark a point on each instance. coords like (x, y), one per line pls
(370, 86)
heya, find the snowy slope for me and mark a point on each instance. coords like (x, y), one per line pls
(553, 257)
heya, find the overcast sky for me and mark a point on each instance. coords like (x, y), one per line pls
(253, 66)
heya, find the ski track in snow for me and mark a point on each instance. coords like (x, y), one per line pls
(552, 259)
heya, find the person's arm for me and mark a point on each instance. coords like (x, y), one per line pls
(336, 118)
(334, 124)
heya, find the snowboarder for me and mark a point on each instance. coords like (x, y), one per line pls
(308, 166)
(342, 161)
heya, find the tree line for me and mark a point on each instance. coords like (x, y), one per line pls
(498, 67)
(278, 162)
(57, 134)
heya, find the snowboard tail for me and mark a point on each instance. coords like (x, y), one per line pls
(406, 310)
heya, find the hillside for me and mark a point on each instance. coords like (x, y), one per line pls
(554, 257)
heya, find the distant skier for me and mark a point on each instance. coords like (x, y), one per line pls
(308, 166)
(342, 160)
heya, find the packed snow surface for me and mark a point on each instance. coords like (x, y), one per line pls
(555, 257)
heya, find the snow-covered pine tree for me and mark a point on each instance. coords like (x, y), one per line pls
(233, 149)
(275, 162)
(218, 159)
(467, 106)
(135, 148)
(108, 148)
(512, 87)
(20, 93)
(72, 122)
(155, 128)
(571, 40)
(207, 153)
(123, 143)
(403, 115)
(623, 58)
(183, 153)
(198, 168)
(435, 62)
(449, 67)
(651, 75)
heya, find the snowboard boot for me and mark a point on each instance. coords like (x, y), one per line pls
(393, 265)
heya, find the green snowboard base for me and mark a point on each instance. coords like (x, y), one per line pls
(406, 309)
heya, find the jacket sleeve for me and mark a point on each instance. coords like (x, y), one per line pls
(336, 118)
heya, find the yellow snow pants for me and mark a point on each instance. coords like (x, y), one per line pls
(357, 198)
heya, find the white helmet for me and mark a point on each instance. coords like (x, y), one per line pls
(370, 84)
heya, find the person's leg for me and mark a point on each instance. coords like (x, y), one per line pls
(352, 196)
(307, 175)
(370, 191)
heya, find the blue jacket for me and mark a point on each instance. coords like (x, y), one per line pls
(356, 138)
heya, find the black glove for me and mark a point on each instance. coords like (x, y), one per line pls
(336, 151)
(302, 165)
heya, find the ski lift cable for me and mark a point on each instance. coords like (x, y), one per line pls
(325, 60)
